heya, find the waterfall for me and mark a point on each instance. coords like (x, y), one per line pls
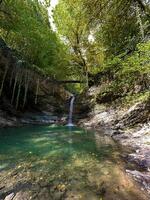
(71, 111)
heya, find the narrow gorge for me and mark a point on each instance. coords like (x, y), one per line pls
(74, 100)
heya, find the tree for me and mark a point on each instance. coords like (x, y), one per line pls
(73, 26)
(117, 24)
(25, 27)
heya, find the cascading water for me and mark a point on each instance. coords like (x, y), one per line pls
(71, 111)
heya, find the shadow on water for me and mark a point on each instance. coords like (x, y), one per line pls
(75, 163)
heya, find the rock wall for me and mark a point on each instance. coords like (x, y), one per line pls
(24, 87)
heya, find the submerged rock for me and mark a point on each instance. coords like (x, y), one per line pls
(10, 196)
(142, 178)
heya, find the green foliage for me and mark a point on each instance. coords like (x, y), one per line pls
(116, 24)
(73, 26)
(118, 49)
(129, 75)
(25, 27)
(135, 68)
(116, 27)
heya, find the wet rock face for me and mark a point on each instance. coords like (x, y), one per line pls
(46, 96)
(139, 113)
(7, 120)
(10, 196)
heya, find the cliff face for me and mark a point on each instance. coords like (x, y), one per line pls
(25, 88)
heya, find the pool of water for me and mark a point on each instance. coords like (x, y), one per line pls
(51, 162)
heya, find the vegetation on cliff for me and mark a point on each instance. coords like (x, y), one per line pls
(109, 41)
(96, 42)
(35, 53)
(25, 27)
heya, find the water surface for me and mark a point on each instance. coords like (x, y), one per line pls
(45, 162)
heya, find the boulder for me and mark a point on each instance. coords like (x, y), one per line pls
(138, 113)
(10, 196)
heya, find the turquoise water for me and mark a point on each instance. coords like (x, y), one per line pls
(48, 143)
(67, 163)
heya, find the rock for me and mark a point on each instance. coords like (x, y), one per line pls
(117, 132)
(10, 196)
(141, 158)
(51, 95)
(8, 120)
(23, 195)
(142, 178)
(138, 113)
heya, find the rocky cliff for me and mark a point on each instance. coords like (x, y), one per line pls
(25, 88)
